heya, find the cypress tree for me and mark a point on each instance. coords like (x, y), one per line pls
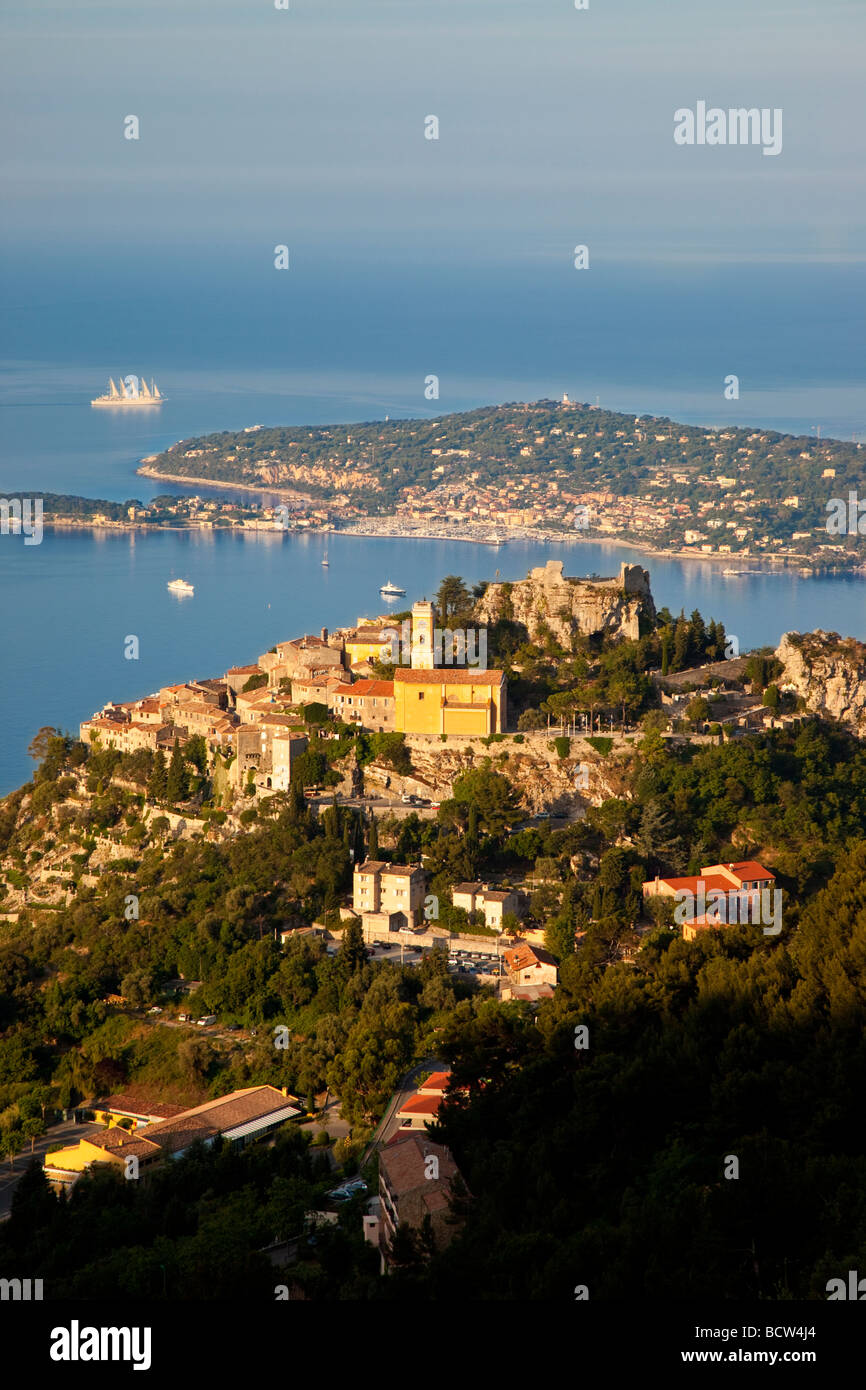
(157, 783)
(178, 780)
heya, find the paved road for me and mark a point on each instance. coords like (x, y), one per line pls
(406, 1087)
(398, 808)
(65, 1132)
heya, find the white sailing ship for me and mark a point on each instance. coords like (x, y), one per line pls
(133, 391)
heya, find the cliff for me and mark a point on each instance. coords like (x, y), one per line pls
(548, 784)
(828, 672)
(567, 607)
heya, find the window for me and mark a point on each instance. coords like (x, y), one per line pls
(420, 694)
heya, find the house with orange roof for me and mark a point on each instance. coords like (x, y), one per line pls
(531, 965)
(368, 703)
(721, 895)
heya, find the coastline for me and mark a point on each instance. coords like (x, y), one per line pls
(225, 486)
(769, 564)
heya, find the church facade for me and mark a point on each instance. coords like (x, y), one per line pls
(443, 699)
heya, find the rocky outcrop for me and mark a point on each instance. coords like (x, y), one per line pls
(548, 784)
(828, 672)
(549, 599)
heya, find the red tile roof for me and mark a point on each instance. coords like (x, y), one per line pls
(420, 1105)
(448, 676)
(367, 687)
(437, 1081)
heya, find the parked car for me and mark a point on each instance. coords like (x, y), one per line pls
(206, 1020)
(155, 1010)
(407, 800)
(233, 1027)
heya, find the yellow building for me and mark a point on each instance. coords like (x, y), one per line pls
(366, 644)
(431, 698)
(240, 1118)
(448, 701)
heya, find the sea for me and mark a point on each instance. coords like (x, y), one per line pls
(344, 354)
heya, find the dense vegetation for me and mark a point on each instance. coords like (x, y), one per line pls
(602, 1165)
(621, 454)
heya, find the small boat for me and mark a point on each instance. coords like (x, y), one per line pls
(181, 586)
(325, 559)
(391, 590)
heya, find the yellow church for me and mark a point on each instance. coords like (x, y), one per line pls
(443, 699)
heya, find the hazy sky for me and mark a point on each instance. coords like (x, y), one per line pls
(306, 127)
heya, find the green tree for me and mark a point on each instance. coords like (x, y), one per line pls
(137, 988)
(195, 753)
(531, 719)
(496, 801)
(352, 955)
(453, 600)
(157, 785)
(177, 786)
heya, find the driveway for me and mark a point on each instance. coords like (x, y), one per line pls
(67, 1132)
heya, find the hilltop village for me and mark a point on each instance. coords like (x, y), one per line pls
(388, 716)
(344, 903)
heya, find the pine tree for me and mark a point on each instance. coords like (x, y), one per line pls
(658, 838)
(178, 780)
(353, 953)
(157, 783)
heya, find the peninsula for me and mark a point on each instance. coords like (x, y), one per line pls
(551, 470)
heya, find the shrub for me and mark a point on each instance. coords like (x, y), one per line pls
(532, 719)
(562, 746)
(601, 744)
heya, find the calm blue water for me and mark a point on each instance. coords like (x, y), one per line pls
(344, 342)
